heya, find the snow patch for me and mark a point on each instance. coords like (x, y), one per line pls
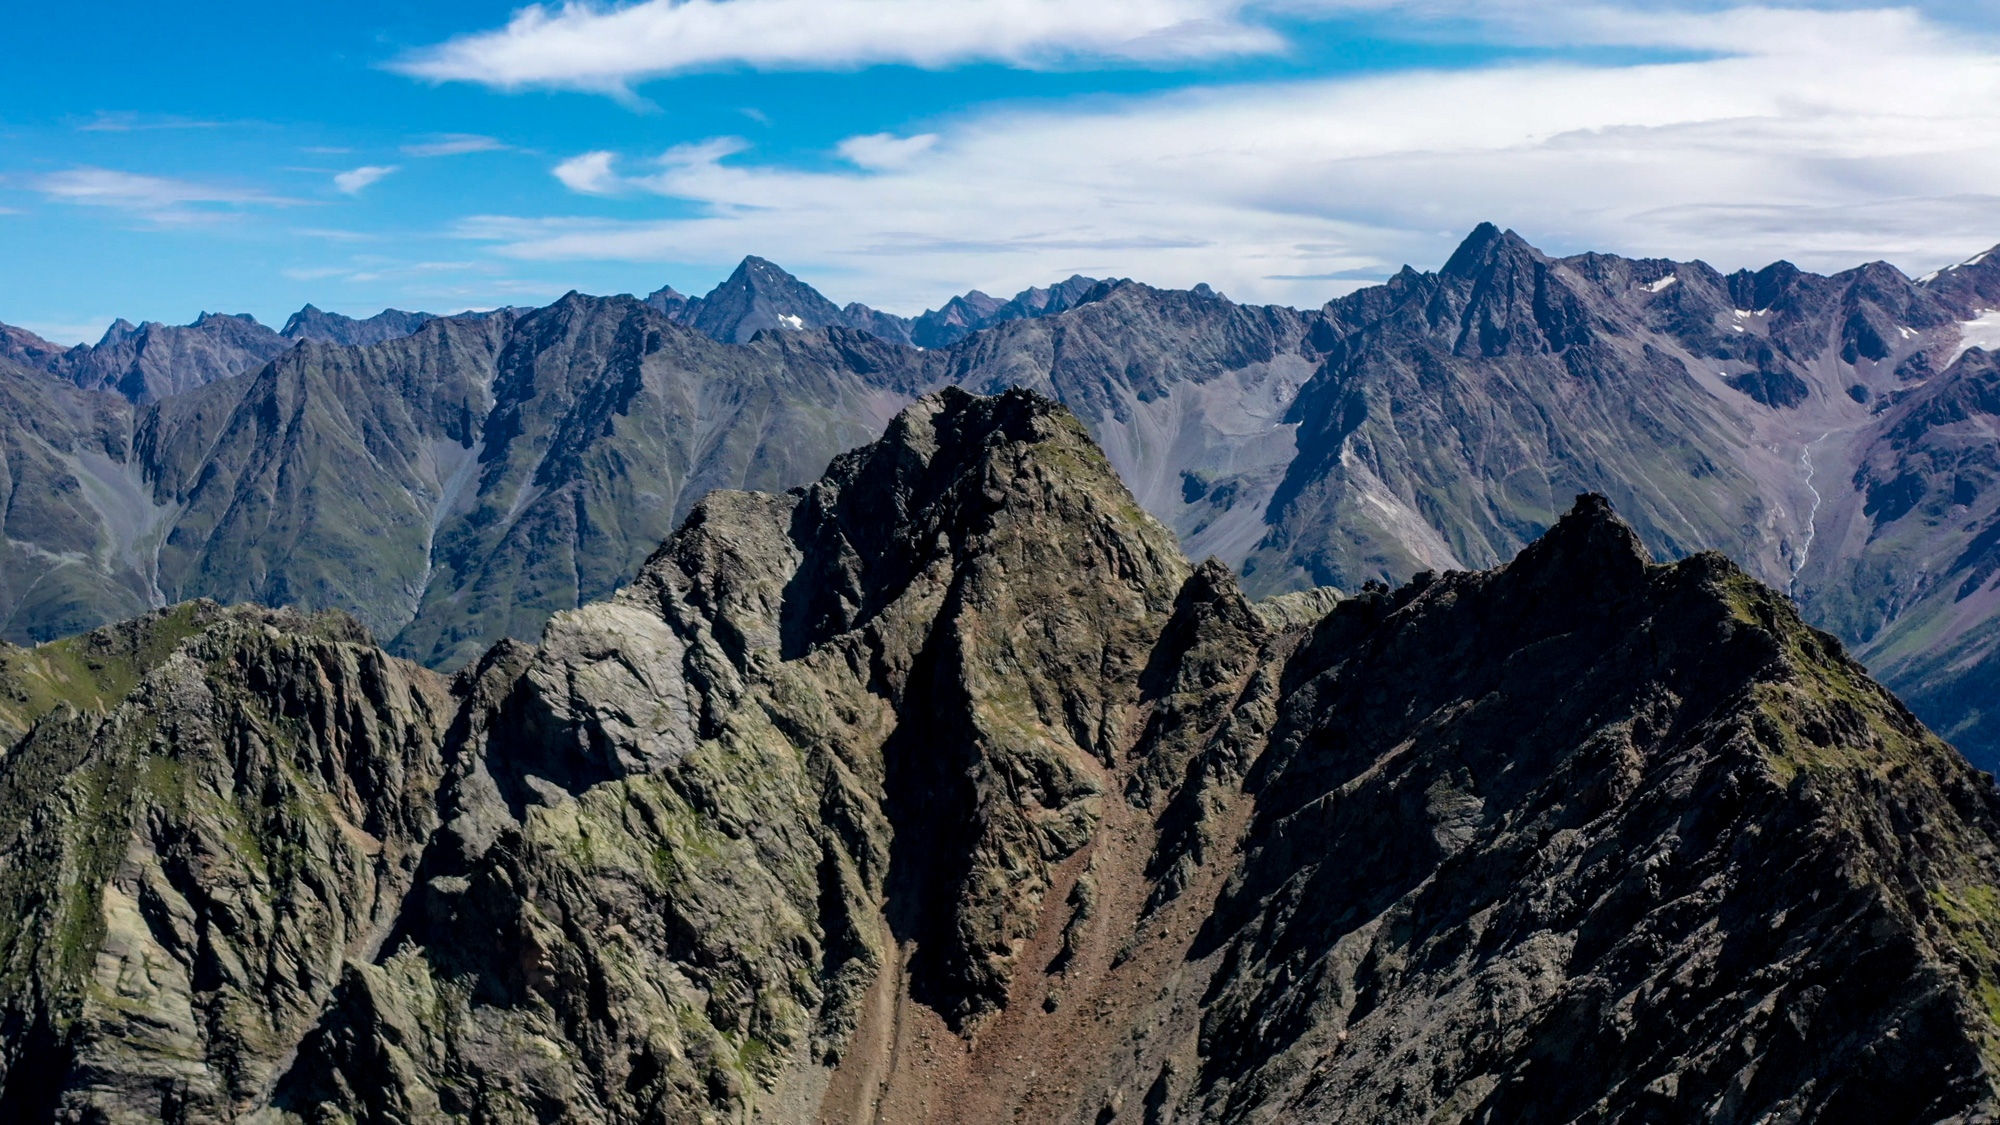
(792, 322)
(1982, 331)
(1906, 333)
(1660, 285)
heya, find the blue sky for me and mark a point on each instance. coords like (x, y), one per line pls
(157, 163)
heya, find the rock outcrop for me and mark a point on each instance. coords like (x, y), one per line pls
(187, 871)
(945, 789)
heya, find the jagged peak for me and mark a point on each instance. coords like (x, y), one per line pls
(753, 270)
(1484, 247)
(208, 318)
(1590, 552)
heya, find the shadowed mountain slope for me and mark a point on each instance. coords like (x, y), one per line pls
(946, 790)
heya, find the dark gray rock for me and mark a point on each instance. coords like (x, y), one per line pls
(310, 323)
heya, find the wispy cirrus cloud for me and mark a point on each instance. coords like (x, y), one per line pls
(108, 122)
(607, 49)
(160, 199)
(374, 268)
(1827, 138)
(353, 180)
(453, 144)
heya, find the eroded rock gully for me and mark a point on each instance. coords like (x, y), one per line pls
(946, 790)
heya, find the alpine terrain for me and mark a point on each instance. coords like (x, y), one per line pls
(453, 481)
(947, 789)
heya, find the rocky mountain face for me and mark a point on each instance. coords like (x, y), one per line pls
(459, 485)
(1827, 430)
(151, 361)
(1834, 433)
(310, 323)
(963, 315)
(946, 789)
(449, 488)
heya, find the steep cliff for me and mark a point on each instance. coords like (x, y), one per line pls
(186, 870)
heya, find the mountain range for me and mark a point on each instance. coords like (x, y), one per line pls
(151, 361)
(462, 482)
(946, 788)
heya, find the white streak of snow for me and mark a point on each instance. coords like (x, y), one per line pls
(1812, 515)
(1982, 331)
(1658, 286)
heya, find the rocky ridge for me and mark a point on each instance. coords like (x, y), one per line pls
(310, 323)
(760, 296)
(148, 362)
(946, 789)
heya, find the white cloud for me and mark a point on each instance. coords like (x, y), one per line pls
(453, 144)
(1848, 137)
(132, 122)
(158, 198)
(352, 181)
(590, 174)
(595, 47)
(886, 150)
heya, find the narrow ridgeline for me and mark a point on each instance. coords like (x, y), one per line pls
(946, 790)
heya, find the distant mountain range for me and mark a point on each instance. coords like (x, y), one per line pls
(761, 296)
(459, 479)
(149, 361)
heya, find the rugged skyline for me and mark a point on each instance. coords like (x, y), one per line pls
(454, 155)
